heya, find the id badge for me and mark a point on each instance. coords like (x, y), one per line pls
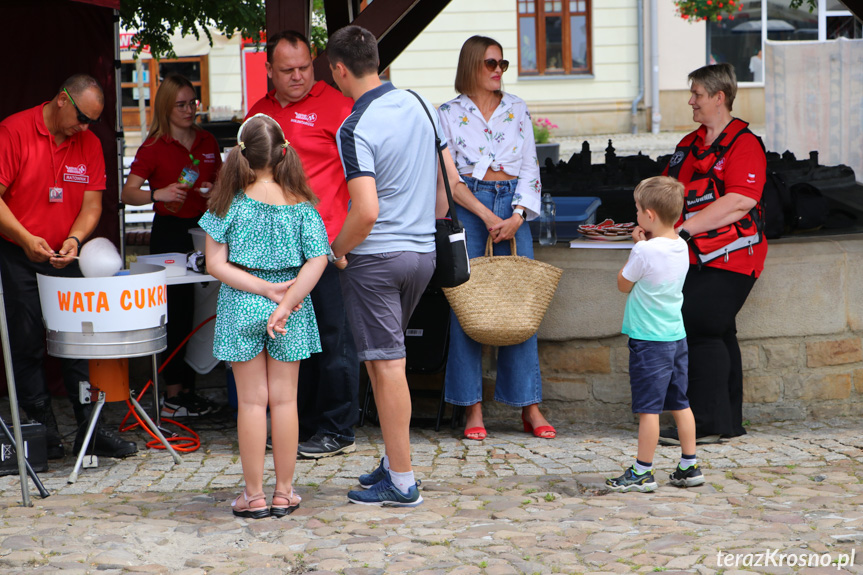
(55, 195)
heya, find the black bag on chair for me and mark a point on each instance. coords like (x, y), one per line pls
(453, 264)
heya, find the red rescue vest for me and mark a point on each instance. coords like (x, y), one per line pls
(705, 187)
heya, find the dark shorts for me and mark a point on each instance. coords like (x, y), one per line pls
(380, 293)
(658, 375)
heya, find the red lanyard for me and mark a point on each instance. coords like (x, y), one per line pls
(53, 167)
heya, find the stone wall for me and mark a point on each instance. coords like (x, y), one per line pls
(800, 334)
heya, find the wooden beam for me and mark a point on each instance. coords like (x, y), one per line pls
(293, 15)
(405, 30)
(340, 13)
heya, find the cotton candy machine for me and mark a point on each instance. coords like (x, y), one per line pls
(107, 320)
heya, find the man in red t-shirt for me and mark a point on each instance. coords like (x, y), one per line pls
(52, 174)
(310, 114)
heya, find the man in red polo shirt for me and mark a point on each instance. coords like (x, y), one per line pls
(52, 173)
(310, 114)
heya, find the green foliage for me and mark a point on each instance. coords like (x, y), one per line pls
(813, 4)
(156, 20)
(716, 10)
(318, 35)
(542, 128)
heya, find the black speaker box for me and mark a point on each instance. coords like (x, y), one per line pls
(35, 449)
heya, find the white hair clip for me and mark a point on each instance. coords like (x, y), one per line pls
(243, 125)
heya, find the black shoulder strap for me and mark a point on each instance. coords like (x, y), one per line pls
(437, 143)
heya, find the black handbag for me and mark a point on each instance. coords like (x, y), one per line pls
(453, 264)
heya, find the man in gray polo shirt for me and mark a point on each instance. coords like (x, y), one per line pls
(387, 146)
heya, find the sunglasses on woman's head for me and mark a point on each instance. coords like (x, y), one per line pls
(491, 64)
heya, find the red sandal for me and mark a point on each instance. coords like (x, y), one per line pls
(479, 432)
(539, 431)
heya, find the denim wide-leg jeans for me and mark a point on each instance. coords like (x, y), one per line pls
(518, 380)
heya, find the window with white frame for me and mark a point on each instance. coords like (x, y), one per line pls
(740, 41)
(554, 37)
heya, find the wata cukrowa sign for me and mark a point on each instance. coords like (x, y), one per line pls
(109, 304)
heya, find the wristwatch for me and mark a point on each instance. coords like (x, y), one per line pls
(520, 211)
(331, 257)
(684, 235)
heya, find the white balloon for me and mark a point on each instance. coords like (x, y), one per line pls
(99, 258)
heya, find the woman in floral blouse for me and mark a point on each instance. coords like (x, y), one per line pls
(490, 137)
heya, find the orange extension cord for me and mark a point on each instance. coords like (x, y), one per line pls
(179, 443)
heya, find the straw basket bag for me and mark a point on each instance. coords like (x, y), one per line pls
(498, 285)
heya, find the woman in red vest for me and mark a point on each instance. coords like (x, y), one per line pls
(723, 167)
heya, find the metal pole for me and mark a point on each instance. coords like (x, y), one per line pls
(97, 409)
(120, 138)
(13, 400)
(656, 117)
(640, 95)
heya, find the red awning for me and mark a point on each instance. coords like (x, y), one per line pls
(115, 4)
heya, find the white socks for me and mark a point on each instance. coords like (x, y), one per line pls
(402, 481)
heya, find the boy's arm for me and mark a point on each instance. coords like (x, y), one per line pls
(624, 284)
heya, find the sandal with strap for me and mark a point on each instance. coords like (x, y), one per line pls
(242, 506)
(543, 431)
(282, 510)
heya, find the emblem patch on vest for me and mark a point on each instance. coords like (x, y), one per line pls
(677, 158)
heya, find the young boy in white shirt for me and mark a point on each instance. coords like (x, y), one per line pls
(658, 358)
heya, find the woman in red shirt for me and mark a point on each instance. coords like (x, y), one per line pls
(173, 142)
(723, 168)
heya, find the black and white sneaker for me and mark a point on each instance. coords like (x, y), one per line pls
(689, 477)
(632, 481)
(185, 404)
(325, 445)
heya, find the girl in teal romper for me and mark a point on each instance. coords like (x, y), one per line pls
(267, 244)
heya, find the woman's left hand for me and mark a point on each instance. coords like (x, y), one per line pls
(505, 229)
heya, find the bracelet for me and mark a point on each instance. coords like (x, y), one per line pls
(77, 241)
(152, 195)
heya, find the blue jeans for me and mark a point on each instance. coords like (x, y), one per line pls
(518, 380)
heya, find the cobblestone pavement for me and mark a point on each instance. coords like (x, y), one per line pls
(509, 504)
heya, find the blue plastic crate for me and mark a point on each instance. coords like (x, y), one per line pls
(571, 212)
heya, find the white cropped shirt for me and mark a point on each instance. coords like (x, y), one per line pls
(504, 143)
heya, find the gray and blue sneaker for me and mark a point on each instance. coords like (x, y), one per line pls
(689, 477)
(368, 480)
(632, 481)
(386, 494)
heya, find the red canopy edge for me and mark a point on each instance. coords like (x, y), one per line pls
(115, 4)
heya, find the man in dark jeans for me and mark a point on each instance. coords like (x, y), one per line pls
(52, 174)
(310, 113)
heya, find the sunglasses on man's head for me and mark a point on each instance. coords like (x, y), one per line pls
(82, 118)
(491, 64)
